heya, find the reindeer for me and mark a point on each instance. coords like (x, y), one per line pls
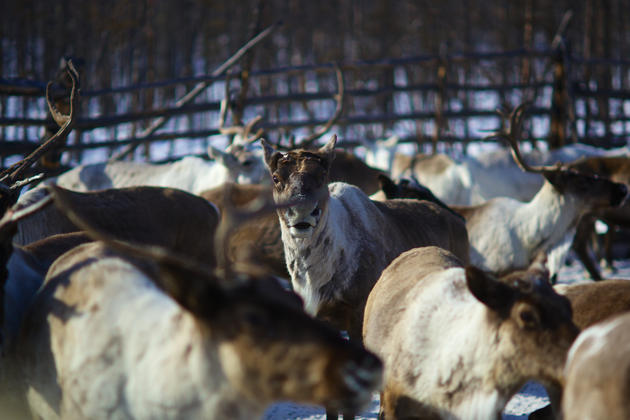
(456, 341)
(191, 173)
(591, 303)
(408, 188)
(24, 268)
(506, 234)
(222, 345)
(475, 180)
(169, 217)
(337, 241)
(260, 239)
(597, 372)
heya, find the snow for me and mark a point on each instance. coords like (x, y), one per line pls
(531, 397)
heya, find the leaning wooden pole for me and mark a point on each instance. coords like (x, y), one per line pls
(199, 87)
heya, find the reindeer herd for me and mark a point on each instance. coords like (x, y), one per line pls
(213, 288)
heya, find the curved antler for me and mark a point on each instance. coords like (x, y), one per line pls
(307, 141)
(10, 183)
(513, 136)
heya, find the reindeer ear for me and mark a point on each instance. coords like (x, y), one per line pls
(329, 148)
(269, 154)
(224, 158)
(388, 186)
(488, 290)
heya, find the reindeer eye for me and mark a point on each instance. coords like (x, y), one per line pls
(529, 319)
(247, 163)
(275, 179)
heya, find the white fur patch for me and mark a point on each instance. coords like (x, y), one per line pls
(443, 340)
(162, 370)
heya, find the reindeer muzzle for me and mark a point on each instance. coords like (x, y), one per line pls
(303, 218)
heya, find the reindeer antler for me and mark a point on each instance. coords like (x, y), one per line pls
(307, 141)
(243, 130)
(513, 135)
(10, 183)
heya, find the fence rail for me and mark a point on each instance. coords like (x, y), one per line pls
(431, 100)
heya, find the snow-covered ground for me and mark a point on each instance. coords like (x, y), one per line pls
(531, 397)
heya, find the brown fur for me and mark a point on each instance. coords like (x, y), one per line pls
(257, 239)
(595, 302)
(174, 219)
(435, 164)
(350, 169)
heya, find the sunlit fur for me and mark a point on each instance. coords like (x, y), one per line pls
(597, 373)
(472, 180)
(506, 234)
(448, 353)
(192, 174)
(102, 341)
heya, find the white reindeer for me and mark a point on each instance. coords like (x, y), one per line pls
(193, 174)
(457, 342)
(474, 180)
(506, 234)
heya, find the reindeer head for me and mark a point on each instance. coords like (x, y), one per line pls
(244, 163)
(591, 191)
(281, 353)
(535, 327)
(301, 176)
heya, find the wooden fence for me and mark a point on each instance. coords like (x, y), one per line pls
(439, 102)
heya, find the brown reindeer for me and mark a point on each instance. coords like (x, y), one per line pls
(591, 303)
(458, 342)
(168, 217)
(595, 302)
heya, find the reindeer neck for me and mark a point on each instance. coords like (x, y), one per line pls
(329, 255)
(458, 368)
(548, 216)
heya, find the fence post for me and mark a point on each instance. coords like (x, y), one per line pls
(559, 100)
(440, 97)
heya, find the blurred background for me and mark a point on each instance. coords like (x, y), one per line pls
(432, 73)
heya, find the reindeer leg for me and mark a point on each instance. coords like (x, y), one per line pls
(608, 247)
(332, 415)
(584, 230)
